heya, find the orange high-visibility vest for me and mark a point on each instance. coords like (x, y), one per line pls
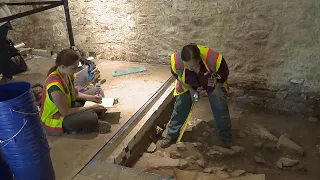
(50, 115)
(211, 60)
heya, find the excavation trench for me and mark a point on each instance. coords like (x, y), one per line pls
(255, 132)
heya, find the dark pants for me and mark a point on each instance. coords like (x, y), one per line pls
(82, 120)
(182, 108)
(5, 58)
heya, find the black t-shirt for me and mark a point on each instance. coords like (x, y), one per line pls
(56, 88)
(52, 89)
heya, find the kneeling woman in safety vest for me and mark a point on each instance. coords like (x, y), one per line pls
(60, 112)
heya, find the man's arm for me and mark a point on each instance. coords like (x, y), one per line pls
(184, 84)
(223, 72)
(174, 74)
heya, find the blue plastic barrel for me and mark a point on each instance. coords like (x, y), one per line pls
(23, 141)
(5, 172)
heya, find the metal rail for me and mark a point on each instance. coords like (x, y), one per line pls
(135, 118)
(32, 3)
(48, 5)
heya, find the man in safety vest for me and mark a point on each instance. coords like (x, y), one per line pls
(198, 66)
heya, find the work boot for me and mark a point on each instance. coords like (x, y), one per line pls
(165, 143)
(103, 127)
(5, 80)
(101, 115)
(228, 144)
(225, 144)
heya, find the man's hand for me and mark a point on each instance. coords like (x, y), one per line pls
(96, 99)
(192, 93)
(218, 92)
(191, 90)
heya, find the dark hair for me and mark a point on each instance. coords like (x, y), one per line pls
(66, 57)
(189, 52)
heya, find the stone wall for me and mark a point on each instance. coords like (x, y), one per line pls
(268, 44)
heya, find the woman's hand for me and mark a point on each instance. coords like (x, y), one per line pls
(96, 99)
(98, 108)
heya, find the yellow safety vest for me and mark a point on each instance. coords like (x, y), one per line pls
(50, 115)
(211, 60)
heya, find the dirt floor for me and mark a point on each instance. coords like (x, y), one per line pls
(256, 130)
(70, 153)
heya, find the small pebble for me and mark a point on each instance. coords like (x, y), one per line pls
(259, 160)
(201, 163)
(222, 174)
(152, 148)
(208, 170)
(241, 134)
(238, 149)
(258, 145)
(237, 173)
(181, 146)
(304, 96)
(318, 148)
(205, 134)
(251, 169)
(313, 119)
(197, 144)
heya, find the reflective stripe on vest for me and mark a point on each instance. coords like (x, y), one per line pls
(212, 59)
(177, 65)
(178, 68)
(52, 131)
(50, 115)
(56, 116)
(52, 78)
(179, 88)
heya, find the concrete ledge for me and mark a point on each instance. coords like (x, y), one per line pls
(106, 171)
(123, 151)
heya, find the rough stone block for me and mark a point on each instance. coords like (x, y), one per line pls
(214, 154)
(151, 161)
(237, 173)
(152, 148)
(286, 162)
(281, 94)
(313, 119)
(262, 132)
(259, 159)
(238, 149)
(287, 144)
(201, 163)
(181, 146)
(222, 174)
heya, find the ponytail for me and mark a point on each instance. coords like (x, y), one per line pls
(52, 70)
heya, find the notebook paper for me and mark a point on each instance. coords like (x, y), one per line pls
(106, 102)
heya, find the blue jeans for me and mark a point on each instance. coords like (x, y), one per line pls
(220, 112)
